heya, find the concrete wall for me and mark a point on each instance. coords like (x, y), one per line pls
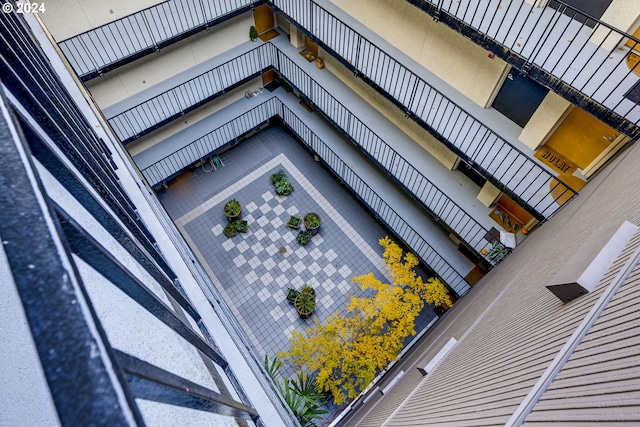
(146, 72)
(545, 120)
(622, 14)
(396, 116)
(450, 56)
(67, 18)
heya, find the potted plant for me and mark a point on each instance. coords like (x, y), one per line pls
(498, 252)
(253, 33)
(304, 304)
(281, 182)
(294, 222)
(232, 210)
(278, 176)
(312, 223)
(232, 228)
(292, 294)
(303, 237)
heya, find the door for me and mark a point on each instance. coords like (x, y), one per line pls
(519, 97)
(263, 17)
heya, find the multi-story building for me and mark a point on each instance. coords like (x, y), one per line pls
(480, 117)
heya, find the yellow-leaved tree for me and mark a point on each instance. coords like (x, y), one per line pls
(348, 351)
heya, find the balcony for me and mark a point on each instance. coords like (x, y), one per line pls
(575, 55)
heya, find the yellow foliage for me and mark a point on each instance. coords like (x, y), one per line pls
(347, 352)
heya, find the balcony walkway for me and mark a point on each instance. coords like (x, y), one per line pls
(564, 47)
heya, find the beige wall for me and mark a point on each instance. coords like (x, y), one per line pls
(622, 14)
(450, 56)
(142, 74)
(545, 120)
(391, 112)
(67, 18)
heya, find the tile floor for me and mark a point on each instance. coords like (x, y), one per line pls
(253, 270)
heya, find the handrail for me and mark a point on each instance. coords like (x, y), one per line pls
(437, 203)
(101, 49)
(164, 107)
(465, 135)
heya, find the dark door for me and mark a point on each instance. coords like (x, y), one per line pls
(592, 8)
(519, 97)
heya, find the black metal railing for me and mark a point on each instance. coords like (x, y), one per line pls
(226, 134)
(187, 96)
(415, 183)
(206, 145)
(376, 204)
(509, 169)
(554, 44)
(112, 45)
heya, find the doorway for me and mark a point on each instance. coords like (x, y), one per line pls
(519, 97)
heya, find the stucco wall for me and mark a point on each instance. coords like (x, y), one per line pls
(67, 18)
(450, 56)
(142, 74)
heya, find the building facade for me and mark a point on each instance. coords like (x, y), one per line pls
(488, 117)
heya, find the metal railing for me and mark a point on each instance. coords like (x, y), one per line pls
(109, 46)
(207, 144)
(556, 42)
(187, 96)
(512, 171)
(376, 204)
(415, 183)
(227, 134)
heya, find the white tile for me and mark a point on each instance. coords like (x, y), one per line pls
(265, 208)
(239, 260)
(284, 265)
(289, 236)
(242, 246)
(277, 221)
(262, 221)
(317, 239)
(281, 199)
(315, 253)
(266, 278)
(344, 271)
(292, 210)
(260, 234)
(314, 268)
(272, 249)
(328, 285)
(289, 329)
(251, 207)
(249, 218)
(297, 282)
(267, 196)
(301, 252)
(299, 266)
(331, 255)
(251, 277)
(293, 315)
(288, 252)
(254, 262)
(264, 294)
(345, 286)
(282, 281)
(228, 245)
(217, 230)
(278, 209)
(313, 282)
(326, 301)
(257, 248)
(274, 235)
(277, 312)
(329, 270)
(269, 263)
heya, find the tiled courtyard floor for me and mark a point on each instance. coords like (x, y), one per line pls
(254, 270)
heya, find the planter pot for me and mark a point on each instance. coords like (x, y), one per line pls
(311, 228)
(235, 217)
(304, 314)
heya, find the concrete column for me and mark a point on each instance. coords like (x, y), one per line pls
(545, 120)
(537, 3)
(489, 194)
(296, 37)
(621, 14)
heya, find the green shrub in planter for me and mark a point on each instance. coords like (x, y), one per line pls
(303, 237)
